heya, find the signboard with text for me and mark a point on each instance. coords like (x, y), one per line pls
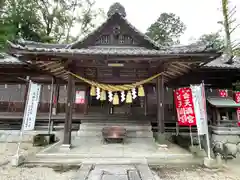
(199, 101)
(184, 106)
(31, 106)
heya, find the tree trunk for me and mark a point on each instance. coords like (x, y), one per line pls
(227, 30)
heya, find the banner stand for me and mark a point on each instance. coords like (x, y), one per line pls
(191, 136)
(207, 132)
(50, 122)
(199, 142)
(30, 112)
(21, 131)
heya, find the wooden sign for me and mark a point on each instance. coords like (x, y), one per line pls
(80, 97)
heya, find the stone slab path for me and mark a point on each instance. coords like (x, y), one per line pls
(114, 172)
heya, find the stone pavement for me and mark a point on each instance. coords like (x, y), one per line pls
(114, 172)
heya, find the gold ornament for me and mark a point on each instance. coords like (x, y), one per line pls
(115, 99)
(129, 97)
(93, 91)
(103, 96)
(141, 92)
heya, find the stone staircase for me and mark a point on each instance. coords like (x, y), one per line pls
(135, 129)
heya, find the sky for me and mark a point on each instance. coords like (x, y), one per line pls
(200, 16)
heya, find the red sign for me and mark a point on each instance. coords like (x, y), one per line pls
(80, 97)
(223, 92)
(237, 97)
(238, 116)
(184, 105)
(237, 100)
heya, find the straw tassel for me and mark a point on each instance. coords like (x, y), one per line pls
(103, 96)
(129, 97)
(141, 92)
(115, 99)
(93, 91)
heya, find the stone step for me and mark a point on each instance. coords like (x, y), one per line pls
(98, 139)
(129, 133)
(174, 161)
(116, 120)
(127, 123)
(126, 126)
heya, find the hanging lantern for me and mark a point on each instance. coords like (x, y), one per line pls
(129, 97)
(110, 96)
(103, 95)
(98, 93)
(141, 92)
(122, 96)
(93, 91)
(134, 93)
(115, 99)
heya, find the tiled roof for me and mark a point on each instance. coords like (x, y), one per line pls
(7, 59)
(40, 45)
(221, 62)
(113, 50)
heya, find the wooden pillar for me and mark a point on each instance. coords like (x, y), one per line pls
(56, 97)
(68, 117)
(160, 103)
(146, 103)
(86, 105)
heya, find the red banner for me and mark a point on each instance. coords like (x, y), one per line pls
(237, 100)
(184, 106)
(223, 92)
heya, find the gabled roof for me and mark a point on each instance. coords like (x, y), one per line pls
(108, 21)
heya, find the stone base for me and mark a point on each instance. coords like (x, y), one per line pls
(160, 138)
(17, 160)
(65, 147)
(211, 163)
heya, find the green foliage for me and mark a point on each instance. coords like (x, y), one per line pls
(167, 29)
(236, 52)
(44, 20)
(213, 38)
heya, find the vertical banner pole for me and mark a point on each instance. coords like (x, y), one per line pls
(190, 129)
(199, 142)
(206, 121)
(22, 127)
(50, 108)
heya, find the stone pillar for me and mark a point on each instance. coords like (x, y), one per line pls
(68, 117)
(160, 108)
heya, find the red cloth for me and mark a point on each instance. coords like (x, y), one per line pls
(184, 106)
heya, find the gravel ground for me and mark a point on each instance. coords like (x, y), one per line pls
(7, 150)
(195, 174)
(7, 172)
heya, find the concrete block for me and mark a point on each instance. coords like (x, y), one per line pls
(17, 160)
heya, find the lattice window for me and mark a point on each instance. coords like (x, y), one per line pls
(104, 39)
(125, 39)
